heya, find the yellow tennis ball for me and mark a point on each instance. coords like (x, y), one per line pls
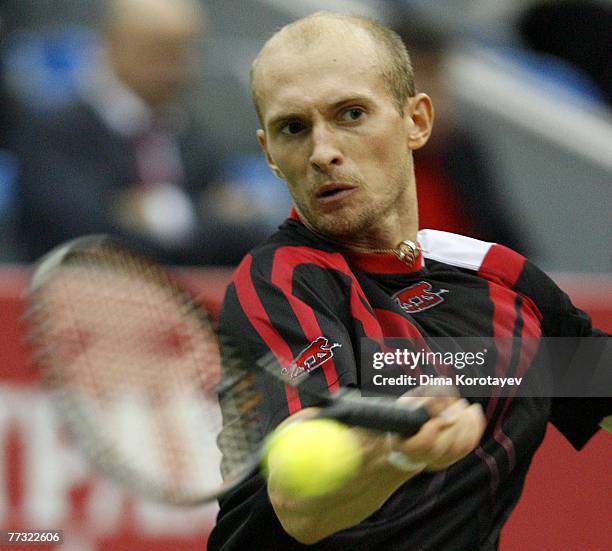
(312, 457)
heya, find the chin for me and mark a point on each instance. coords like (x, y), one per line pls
(342, 225)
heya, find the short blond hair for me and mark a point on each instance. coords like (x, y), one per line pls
(395, 64)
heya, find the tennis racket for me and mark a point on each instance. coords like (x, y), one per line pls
(132, 362)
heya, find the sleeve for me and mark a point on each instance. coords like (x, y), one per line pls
(577, 418)
(299, 312)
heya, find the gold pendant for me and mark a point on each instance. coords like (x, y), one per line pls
(406, 251)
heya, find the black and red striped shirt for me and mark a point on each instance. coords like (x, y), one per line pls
(297, 288)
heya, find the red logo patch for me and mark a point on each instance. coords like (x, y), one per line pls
(314, 355)
(419, 297)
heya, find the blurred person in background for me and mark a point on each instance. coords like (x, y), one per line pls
(455, 179)
(125, 158)
(8, 162)
(579, 32)
(3, 112)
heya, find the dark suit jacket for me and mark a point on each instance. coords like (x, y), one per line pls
(72, 166)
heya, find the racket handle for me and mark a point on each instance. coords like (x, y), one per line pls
(377, 414)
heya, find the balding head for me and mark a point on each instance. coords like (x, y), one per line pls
(322, 30)
(150, 45)
(127, 15)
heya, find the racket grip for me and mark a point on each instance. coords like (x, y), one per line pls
(378, 414)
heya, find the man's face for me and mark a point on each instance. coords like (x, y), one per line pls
(334, 133)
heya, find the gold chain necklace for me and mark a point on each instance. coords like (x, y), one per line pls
(406, 251)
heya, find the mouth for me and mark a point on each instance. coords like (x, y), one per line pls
(334, 191)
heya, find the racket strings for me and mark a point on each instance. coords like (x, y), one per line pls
(134, 362)
(240, 399)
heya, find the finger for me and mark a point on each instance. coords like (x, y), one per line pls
(425, 439)
(434, 405)
(454, 411)
(445, 439)
(419, 446)
(459, 440)
(432, 391)
(479, 423)
(448, 443)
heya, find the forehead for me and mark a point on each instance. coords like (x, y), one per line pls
(289, 78)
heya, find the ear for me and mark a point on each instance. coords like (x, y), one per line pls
(420, 115)
(261, 138)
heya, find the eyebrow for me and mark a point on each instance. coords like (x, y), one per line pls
(279, 119)
(284, 117)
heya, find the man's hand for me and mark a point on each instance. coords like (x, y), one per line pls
(455, 428)
(453, 431)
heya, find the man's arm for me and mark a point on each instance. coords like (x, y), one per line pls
(578, 418)
(453, 431)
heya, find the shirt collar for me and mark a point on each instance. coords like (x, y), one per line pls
(376, 263)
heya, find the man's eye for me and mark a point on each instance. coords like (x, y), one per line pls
(292, 127)
(352, 114)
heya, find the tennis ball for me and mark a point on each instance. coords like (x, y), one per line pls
(312, 457)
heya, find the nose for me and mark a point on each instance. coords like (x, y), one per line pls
(326, 152)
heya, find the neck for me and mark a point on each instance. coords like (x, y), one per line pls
(390, 230)
(380, 240)
(406, 248)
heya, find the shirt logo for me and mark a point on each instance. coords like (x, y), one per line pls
(418, 297)
(314, 355)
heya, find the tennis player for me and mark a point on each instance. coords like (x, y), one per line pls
(340, 118)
